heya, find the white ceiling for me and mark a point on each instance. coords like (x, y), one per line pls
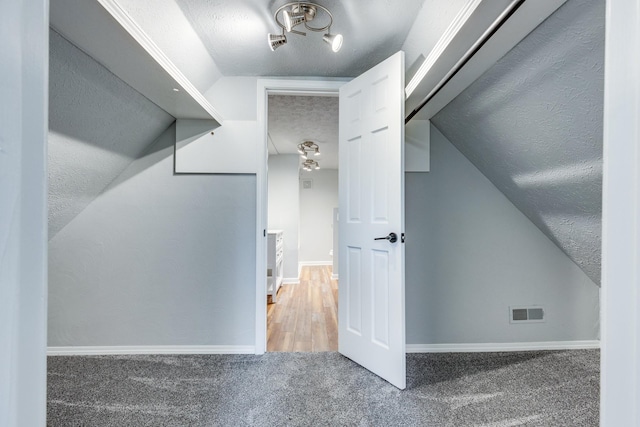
(294, 119)
(235, 34)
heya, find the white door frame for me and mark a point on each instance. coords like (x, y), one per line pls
(265, 88)
(24, 27)
(620, 293)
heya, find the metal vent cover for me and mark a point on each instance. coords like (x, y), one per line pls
(526, 314)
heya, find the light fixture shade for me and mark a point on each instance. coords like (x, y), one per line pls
(317, 152)
(276, 40)
(292, 19)
(334, 40)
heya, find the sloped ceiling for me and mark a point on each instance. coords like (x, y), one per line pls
(97, 126)
(294, 119)
(533, 125)
(166, 25)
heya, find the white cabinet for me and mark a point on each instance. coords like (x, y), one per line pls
(275, 255)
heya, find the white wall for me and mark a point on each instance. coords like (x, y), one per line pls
(23, 215)
(284, 207)
(235, 98)
(316, 215)
(232, 147)
(157, 259)
(471, 254)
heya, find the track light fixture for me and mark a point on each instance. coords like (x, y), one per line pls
(306, 147)
(275, 40)
(310, 165)
(291, 15)
(334, 40)
(292, 19)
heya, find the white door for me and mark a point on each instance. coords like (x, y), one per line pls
(371, 291)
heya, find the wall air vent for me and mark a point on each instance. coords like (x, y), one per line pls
(534, 314)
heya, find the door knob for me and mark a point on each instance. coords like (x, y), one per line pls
(392, 237)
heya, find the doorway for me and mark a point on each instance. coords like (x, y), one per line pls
(371, 192)
(302, 235)
(267, 87)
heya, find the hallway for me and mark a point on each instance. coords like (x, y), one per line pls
(305, 317)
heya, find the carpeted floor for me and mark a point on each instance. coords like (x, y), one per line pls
(324, 389)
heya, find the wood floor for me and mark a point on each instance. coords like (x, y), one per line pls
(305, 316)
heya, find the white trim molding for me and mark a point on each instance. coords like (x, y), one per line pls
(620, 294)
(470, 24)
(334, 276)
(502, 347)
(445, 40)
(24, 77)
(136, 32)
(264, 88)
(149, 349)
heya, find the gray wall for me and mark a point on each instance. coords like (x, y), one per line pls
(316, 215)
(533, 125)
(97, 126)
(471, 254)
(284, 207)
(157, 259)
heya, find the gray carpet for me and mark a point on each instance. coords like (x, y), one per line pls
(321, 389)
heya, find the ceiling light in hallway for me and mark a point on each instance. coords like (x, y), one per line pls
(306, 147)
(309, 165)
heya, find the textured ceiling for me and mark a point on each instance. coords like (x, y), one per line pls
(166, 25)
(97, 126)
(293, 119)
(533, 125)
(235, 33)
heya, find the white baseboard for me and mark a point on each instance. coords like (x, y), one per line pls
(290, 281)
(150, 349)
(334, 276)
(313, 263)
(501, 347)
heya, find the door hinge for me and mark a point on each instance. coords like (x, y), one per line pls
(402, 237)
(264, 232)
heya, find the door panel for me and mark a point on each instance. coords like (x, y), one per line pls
(354, 301)
(371, 291)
